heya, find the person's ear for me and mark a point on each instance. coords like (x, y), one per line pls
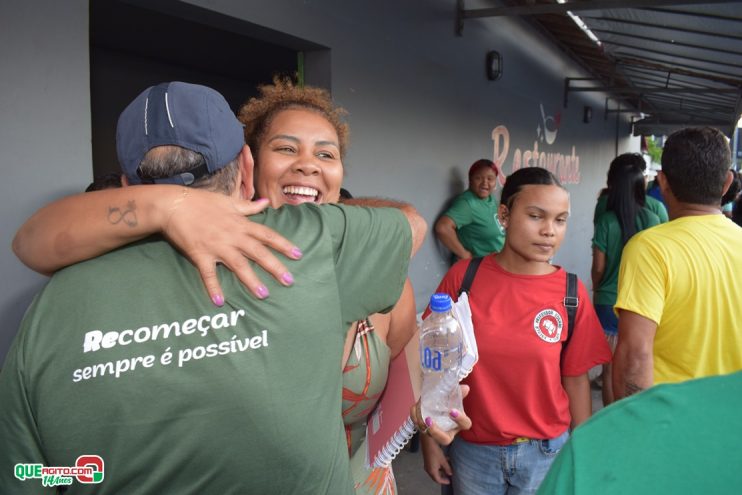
(662, 182)
(124, 180)
(247, 169)
(503, 214)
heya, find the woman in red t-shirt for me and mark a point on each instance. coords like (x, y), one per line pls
(525, 392)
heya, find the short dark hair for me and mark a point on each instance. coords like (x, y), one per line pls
(695, 162)
(108, 181)
(526, 177)
(166, 161)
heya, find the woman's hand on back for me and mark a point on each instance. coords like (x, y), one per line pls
(210, 228)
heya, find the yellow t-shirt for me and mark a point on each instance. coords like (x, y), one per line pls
(686, 275)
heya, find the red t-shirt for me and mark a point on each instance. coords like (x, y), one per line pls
(520, 323)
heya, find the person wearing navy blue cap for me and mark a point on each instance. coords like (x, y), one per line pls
(191, 116)
(209, 138)
(120, 359)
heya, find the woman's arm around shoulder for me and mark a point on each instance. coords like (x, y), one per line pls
(86, 225)
(207, 227)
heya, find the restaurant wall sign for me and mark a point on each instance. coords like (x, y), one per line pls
(543, 154)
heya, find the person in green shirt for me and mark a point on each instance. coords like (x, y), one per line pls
(674, 438)
(470, 227)
(121, 357)
(627, 213)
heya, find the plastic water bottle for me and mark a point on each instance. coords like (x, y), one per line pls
(441, 346)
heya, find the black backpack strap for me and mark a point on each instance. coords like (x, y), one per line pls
(571, 302)
(471, 271)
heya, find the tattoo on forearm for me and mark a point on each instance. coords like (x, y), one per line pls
(127, 215)
(632, 388)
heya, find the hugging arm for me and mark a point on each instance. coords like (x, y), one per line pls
(418, 226)
(209, 228)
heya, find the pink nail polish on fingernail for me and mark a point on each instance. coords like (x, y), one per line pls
(454, 413)
(262, 292)
(428, 422)
(296, 252)
(217, 299)
(288, 278)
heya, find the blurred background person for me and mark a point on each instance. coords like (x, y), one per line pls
(649, 435)
(627, 213)
(470, 228)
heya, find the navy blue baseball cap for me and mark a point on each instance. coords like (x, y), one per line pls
(191, 116)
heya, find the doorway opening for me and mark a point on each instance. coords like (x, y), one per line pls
(136, 44)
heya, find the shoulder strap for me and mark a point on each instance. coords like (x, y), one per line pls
(571, 302)
(471, 271)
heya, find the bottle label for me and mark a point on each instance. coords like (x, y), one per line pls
(431, 359)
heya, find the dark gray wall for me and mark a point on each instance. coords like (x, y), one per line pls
(420, 108)
(44, 129)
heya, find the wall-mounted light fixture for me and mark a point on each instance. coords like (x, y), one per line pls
(494, 65)
(587, 114)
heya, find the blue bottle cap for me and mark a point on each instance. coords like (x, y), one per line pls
(440, 302)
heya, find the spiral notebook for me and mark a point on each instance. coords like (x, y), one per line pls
(390, 427)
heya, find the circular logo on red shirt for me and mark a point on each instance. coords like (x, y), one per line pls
(548, 325)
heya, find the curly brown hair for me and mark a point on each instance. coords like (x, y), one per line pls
(258, 113)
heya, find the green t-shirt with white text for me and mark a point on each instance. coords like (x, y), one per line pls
(125, 357)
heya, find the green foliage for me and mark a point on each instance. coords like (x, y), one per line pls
(654, 149)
